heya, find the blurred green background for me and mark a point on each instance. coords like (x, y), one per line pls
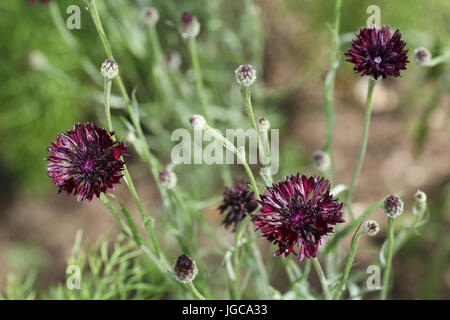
(49, 80)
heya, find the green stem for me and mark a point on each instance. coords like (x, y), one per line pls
(199, 78)
(148, 157)
(127, 177)
(322, 278)
(348, 263)
(365, 136)
(233, 148)
(190, 285)
(246, 96)
(331, 77)
(389, 255)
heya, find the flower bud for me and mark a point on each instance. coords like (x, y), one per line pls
(422, 56)
(197, 122)
(420, 202)
(109, 69)
(263, 124)
(150, 16)
(245, 75)
(371, 227)
(185, 269)
(173, 60)
(321, 161)
(37, 60)
(168, 178)
(420, 196)
(393, 206)
(189, 26)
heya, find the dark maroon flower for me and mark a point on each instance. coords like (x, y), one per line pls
(298, 210)
(378, 52)
(85, 161)
(185, 269)
(237, 202)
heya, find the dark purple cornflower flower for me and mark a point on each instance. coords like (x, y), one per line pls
(298, 211)
(85, 161)
(237, 202)
(378, 52)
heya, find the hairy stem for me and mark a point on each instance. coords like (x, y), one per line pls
(322, 278)
(389, 255)
(365, 136)
(348, 263)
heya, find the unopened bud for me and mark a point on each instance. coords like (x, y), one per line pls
(263, 123)
(422, 56)
(150, 16)
(420, 196)
(189, 26)
(173, 60)
(321, 161)
(109, 69)
(393, 206)
(185, 269)
(168, 178)
(197, 122)
(420, 202)
(371, 227)
(245, 75)
(37, 60)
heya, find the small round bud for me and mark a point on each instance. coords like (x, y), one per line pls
(37, 60)
(420, 202)
(109, 69)
(189, 26)
(245, 75)
(197, 122)
(168, 178)
(150, 16)
(422, 56)
(321, 161)
(263, 123)
(173, 60)
(185, 269)
(371, 227)
(131, 137)
(420, 196)
(393, 206)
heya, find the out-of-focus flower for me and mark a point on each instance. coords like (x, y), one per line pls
(150, 16)
(422, 56)
(173, 60)
(109, 69)
(189, 26)
(393, 206)
(371, 227)
(298, 211)
(245, 75)
(321, 161)
(378, 52)
(197, 122)
(420, 196)
(263, 123)
(168, 178)
(185, 269)
(420, 202)
(85, 161)
(238, 201)
(37, 60)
